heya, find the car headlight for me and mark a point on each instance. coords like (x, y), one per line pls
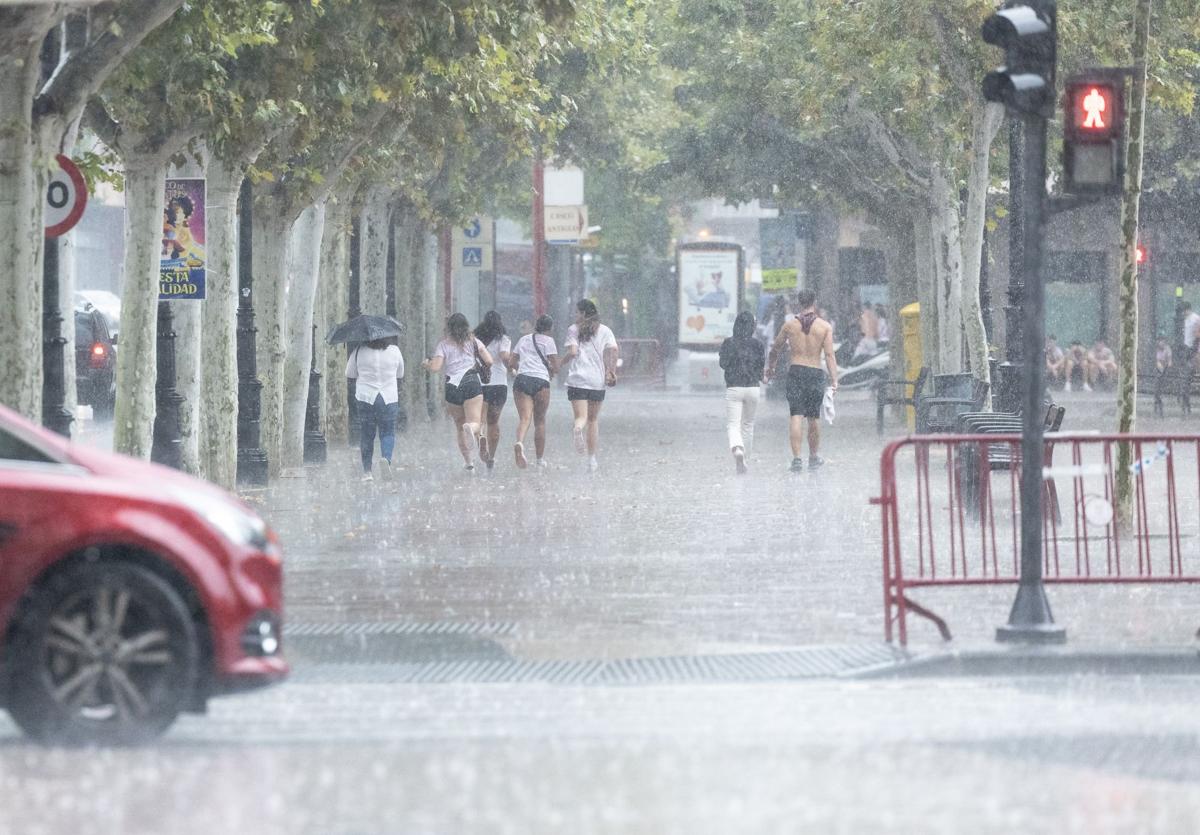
(239, 526)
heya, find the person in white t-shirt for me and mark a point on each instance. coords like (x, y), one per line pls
(534, 360)
(495, 391)
(460, 355)
(591, 355)
(375, 367)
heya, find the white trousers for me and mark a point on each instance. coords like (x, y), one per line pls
(740, 405)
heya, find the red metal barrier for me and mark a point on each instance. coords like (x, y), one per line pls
(950, 513)
(642, 362)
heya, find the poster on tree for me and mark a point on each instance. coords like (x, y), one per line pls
(182, 268)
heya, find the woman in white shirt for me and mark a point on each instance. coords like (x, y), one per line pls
(495, 391)
(460, 355)
(375, 367)
(591, 356)
(534, 360)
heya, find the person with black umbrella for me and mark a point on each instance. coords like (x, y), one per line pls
(375, 367)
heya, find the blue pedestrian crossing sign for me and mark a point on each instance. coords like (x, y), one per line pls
(472, 256)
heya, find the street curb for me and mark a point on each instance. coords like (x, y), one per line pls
(1040, 662)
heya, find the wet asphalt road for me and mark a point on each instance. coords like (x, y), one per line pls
(451, 726)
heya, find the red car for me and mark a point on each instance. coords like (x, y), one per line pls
(129, 592)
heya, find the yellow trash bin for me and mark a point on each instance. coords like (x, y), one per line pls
(910, 331)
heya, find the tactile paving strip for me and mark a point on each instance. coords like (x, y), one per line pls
(423, 658)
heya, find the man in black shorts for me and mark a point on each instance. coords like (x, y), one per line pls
(807, 337)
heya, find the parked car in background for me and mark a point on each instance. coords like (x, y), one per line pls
(107, 303)
(129, 592)
(95, 362)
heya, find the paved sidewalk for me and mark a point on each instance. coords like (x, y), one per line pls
(664, 552)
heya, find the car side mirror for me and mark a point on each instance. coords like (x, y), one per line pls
(114, 339)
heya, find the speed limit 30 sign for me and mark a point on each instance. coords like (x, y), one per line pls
(66, 198)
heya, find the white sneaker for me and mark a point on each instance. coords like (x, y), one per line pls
(385, 469)
(593, 464)
(542, 465)
(1086, 387)
(1067, 387)
(580, 441)
(368, 477)
(519, 454)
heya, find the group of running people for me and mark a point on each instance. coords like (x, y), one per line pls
(476, 367)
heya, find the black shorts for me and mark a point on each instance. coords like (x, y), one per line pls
(590, 395)
(805, 391)
(529, 385)
(495, 395)
(468, 387)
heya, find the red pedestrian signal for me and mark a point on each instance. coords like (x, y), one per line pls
(1093, 109)
(1093, 134)
(1141, 254)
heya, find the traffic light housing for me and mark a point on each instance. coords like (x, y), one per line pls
(1093, 134)
(1028, 33)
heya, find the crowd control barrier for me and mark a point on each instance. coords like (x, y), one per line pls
(950, 514)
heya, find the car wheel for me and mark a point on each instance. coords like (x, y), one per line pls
(102, 653)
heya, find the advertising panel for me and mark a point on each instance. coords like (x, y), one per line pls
(182, 271)
(710, 288)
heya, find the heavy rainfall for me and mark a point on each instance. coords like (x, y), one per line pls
(545, 416)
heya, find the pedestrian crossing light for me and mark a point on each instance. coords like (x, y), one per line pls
(1027, 32)
(1093, 135)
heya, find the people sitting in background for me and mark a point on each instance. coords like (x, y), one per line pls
(1164, 358)
(1102, 365)
(1056, 362)
(868, 326)
(1076, 361)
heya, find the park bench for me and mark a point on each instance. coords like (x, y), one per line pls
(951, 395)
(894, 393)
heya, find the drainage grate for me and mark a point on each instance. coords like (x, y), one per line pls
(397, 628)
(809, 662)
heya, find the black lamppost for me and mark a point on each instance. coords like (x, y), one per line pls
(251, 457)
(314, 438)
(54, 411)
(167, 446)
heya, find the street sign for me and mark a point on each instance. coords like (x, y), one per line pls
(66, 198)
(472, 244)
(566, 224)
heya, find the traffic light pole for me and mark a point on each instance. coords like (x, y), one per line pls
(1030, 620)
(1009, 399)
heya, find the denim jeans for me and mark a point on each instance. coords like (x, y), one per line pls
(381, 416)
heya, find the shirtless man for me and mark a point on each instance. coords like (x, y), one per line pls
(808, 336)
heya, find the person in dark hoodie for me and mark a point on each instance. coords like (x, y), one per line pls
(743, 358)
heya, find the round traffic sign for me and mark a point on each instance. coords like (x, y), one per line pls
(66, 198)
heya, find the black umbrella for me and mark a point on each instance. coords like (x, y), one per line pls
(366, 328)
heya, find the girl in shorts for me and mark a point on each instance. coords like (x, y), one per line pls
(534, 360)
(495, 390)
(591, 355)
(460, 355)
